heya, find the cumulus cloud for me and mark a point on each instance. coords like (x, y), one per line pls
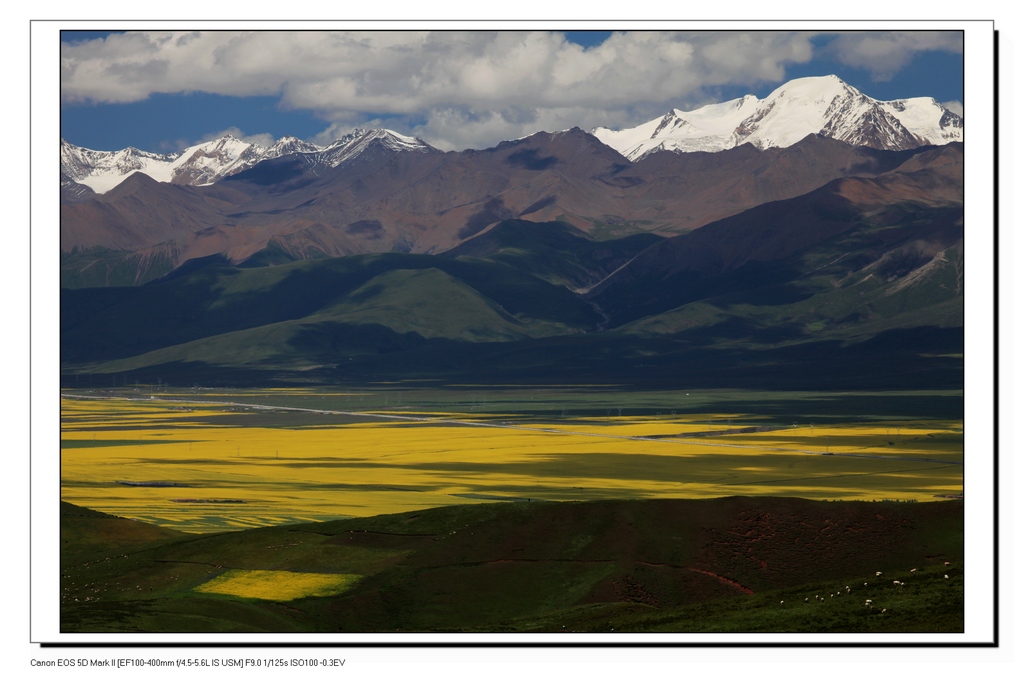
(885, 53)
(453, 89)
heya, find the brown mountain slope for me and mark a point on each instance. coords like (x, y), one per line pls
(141, 212)
(428, 203)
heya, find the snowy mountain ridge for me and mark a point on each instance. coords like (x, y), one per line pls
(208, 162)
(820, 105)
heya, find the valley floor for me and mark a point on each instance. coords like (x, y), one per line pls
(528, 509)
(216, 460)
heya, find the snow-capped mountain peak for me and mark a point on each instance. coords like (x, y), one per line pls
(101, 171)
(292, 145)
(820, 105)
(208, 162)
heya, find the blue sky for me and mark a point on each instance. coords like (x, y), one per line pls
(162, 92)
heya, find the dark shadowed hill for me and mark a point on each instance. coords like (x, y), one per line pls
(556, 252)
(674, 565)
(883, 229)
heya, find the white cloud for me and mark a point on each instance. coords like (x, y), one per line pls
(955, 106)
(454, 88)
(457, 89)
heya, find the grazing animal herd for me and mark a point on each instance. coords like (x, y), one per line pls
(869, 603)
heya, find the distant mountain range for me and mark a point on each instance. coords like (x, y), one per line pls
(385, 199)
(823, 106)
(206, 163)
(822, 245)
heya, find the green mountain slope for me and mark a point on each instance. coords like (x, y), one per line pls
(395, 311)
(432, 303)
(857, 284)
(116, 322)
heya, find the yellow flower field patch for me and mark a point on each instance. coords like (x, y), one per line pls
(278, 585)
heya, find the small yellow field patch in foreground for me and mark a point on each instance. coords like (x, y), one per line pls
(278, 585)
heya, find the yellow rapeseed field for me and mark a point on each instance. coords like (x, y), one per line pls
(202, 467)
(277, 585)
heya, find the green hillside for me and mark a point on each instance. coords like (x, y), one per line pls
(398, 310)
(120, 322)
(844, 300)
(432, 303)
